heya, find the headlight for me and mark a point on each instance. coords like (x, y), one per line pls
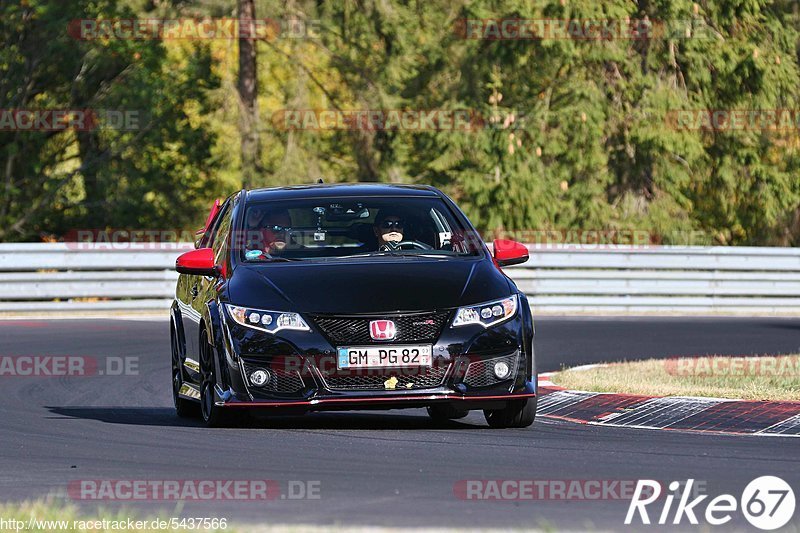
(269, 321)
(487, 314)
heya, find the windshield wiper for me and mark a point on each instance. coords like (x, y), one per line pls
(393, 253)
(275, 260)
(366, 254)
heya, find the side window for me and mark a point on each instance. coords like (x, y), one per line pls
(210, 236)
(444, 233)
(221, 231)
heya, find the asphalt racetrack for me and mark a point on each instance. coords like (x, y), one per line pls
(381, 468)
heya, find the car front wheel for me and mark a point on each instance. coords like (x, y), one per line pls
(183, 407)
(517, 414)
(213, 415)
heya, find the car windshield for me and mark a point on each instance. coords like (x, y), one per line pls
(334, 228)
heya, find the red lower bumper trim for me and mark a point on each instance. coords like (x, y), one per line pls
(423, 397)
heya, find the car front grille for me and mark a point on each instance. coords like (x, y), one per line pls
(481, 373)
(419, 327)
(281, 381)
(428, 378)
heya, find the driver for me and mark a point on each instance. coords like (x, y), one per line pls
(267, 230)
(388, 229)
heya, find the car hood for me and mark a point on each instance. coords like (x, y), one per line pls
(372, 286)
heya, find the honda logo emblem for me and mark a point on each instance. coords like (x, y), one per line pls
(382, 330)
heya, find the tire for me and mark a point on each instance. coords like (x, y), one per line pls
(518, 414)
(213, 415)
(446, 411)
(183, 408)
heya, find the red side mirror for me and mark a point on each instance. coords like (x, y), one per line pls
(508, 252)
(198, 262)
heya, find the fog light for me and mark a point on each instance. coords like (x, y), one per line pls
(502, 370)
(260, 377)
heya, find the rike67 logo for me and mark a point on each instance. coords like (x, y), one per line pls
(767, 503)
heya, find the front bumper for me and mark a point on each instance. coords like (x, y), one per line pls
(389, 401)
(304, 374)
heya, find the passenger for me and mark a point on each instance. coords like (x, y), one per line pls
(276, 230)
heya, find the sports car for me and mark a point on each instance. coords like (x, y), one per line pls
(349, 297)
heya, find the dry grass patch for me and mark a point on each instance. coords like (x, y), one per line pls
(747, 378)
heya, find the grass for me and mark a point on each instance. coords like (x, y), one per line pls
(47, 513)
(748, 378)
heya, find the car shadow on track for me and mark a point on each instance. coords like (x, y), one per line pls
(134, 416)
(165, 417)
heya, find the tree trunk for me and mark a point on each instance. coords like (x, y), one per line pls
(96, 200)
(248, 94)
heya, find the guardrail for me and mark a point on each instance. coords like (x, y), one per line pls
(680, 280)
(78, 276)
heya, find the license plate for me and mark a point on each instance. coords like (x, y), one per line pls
(384, 356)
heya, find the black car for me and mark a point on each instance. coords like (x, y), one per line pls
(361, 296)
